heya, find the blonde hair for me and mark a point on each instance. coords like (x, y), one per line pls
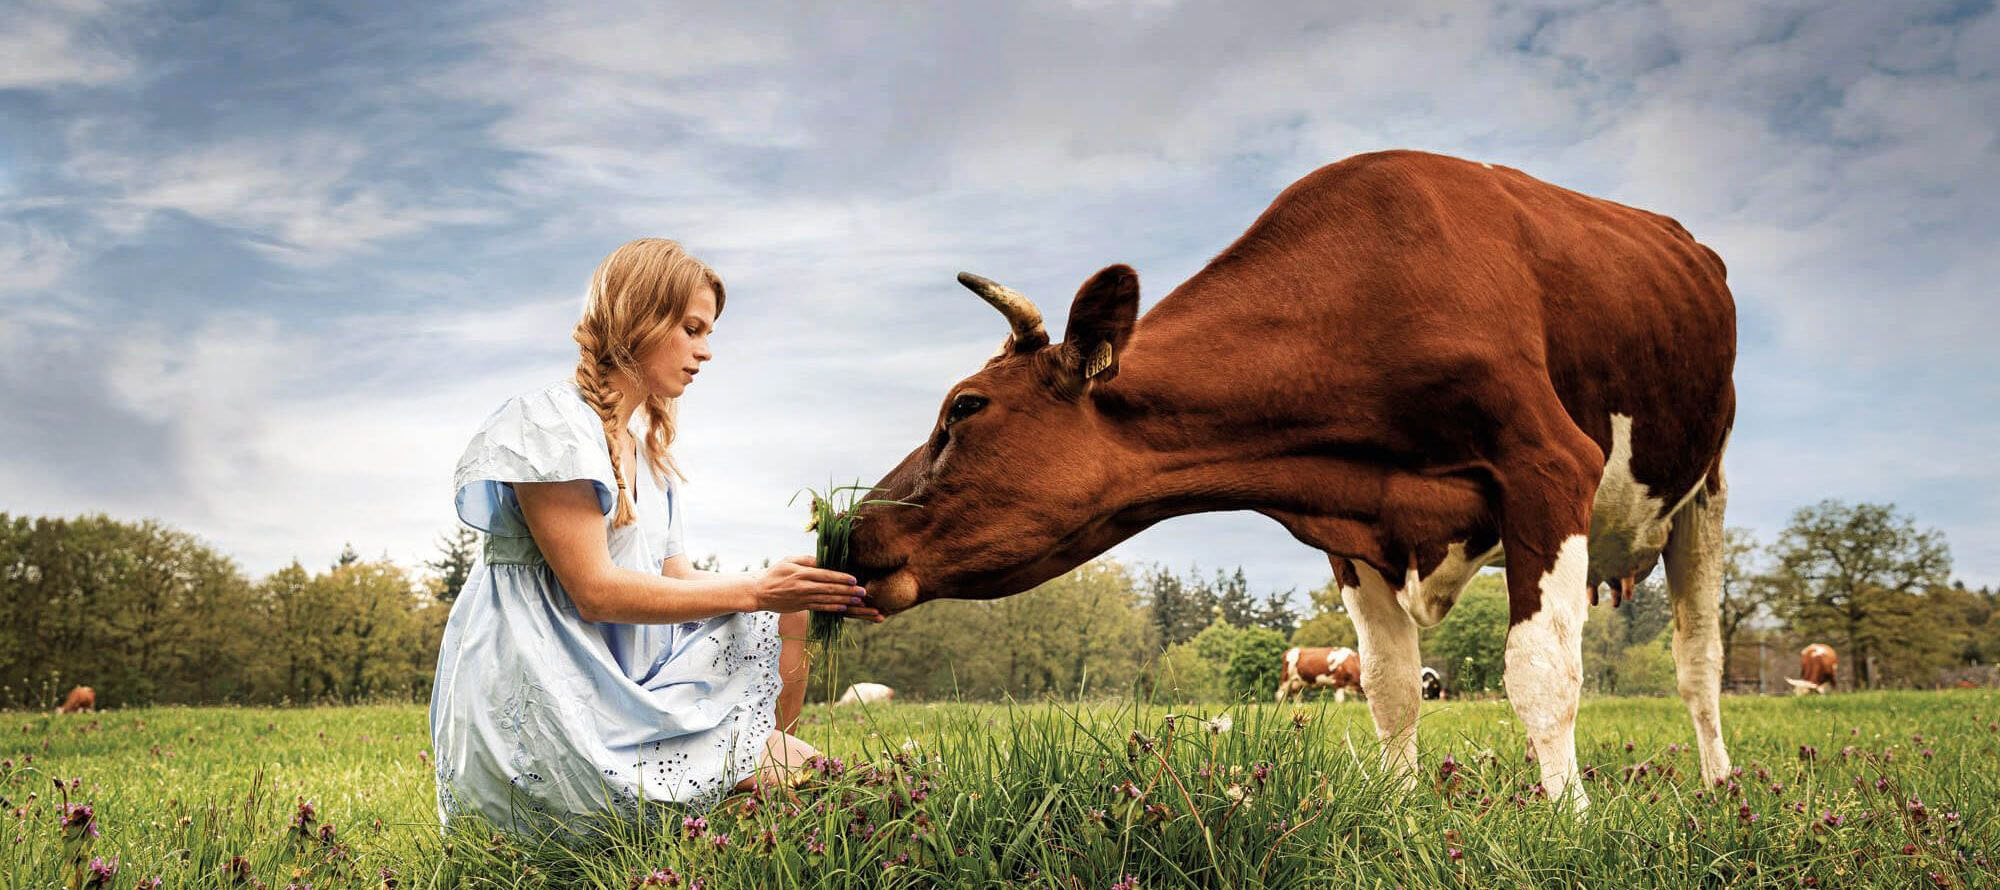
(636, 296)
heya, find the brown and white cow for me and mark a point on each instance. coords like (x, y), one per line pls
(1414, 363)
(1335, 668)
(80, 698)
(1817, 668)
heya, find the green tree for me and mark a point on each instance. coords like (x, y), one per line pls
(1603, 649)
(1649, 611)
(1857, 573)
(1329, 624)
(1470, 644)
(1179, 610)
(141, 612)
(456, 553)
(1232, 597)
(1085, 631)
(1277, 613)
(1747, 593)
(1255, 660)
(1647, 668)
(1198, 669)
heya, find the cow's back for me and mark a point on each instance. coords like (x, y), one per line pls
(1439, 294)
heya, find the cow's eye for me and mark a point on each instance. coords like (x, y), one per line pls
(963, 407)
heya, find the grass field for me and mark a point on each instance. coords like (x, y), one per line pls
(1894, 790)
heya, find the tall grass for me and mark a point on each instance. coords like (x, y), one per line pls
(1868, 790)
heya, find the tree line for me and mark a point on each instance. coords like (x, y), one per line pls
(1861, 577)
(147, 614)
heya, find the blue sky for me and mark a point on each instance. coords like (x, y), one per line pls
(264, 267)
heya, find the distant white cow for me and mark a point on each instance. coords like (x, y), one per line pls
(866, 694)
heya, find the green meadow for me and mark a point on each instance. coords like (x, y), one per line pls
(1885, 789)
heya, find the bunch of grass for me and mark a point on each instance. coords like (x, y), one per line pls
(833, 518)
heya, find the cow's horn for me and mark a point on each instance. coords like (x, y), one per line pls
(1021, 313)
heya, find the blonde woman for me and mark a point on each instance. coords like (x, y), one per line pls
(587, 665)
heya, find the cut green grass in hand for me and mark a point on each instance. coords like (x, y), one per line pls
(833, 517)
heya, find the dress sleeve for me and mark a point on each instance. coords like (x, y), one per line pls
(671, 543)
(532, 438)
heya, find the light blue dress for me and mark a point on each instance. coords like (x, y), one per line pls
(538, 715)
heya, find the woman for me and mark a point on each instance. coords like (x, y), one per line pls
(587, 665)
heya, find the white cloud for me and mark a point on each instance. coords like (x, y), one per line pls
(32, 258)
(302, 197)
(60, 44)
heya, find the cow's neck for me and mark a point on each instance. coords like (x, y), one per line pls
(1212, 405)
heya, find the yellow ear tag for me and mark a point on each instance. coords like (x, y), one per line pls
(1099, 360)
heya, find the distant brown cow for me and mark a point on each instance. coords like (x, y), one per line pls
(1817, 665)
(1338, 669)
(82, 698)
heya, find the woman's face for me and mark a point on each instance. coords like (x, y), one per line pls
(670, 365)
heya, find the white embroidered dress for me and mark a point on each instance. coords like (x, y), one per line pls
(538, 715)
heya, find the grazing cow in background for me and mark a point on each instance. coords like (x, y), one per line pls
(866, 694)
(1416, 364)
(1433, 685)
(81, 698)
(1817, 666)
(1338, 669)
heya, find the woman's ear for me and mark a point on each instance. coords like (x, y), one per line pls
(1101, 321)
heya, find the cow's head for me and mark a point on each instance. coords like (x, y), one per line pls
(1024, 472)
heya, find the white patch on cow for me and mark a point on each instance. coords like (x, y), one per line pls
(1334, 660)
(866, 694)
(1486, 165)
(1544, 673)
(1389, 665)
(1628, 524)
(1429, 598)
(1694, 559)
(1288, 681)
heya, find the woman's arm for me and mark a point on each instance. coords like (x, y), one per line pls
(679, 566)
(569, 530)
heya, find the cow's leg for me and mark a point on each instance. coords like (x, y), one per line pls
(1288, 676)
(1339, 695)
(1546, 494)
(1388, 645)
(1694, 576)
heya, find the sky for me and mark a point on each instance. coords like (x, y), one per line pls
(265, 267)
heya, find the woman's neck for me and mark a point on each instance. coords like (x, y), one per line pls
(632, 396)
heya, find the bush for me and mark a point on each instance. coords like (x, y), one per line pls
(1255, 662)
(1647, 669)
(1471, 643)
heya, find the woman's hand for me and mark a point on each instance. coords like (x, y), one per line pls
(797, 582)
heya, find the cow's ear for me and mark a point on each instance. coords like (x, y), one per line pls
(1101, 321)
